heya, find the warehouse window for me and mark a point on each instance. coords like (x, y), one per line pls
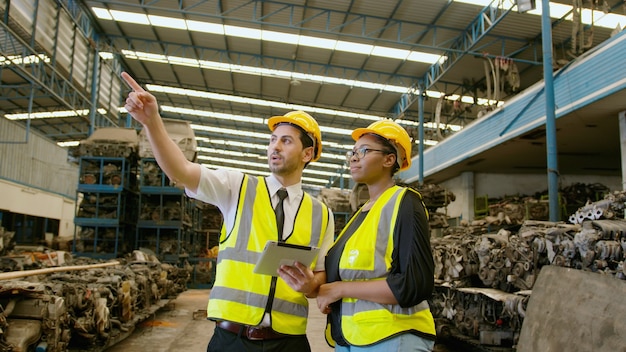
(29, 230)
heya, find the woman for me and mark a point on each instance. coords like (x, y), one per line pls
(380, 269)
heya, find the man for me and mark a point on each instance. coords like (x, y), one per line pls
(253, 312)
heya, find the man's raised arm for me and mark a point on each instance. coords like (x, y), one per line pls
(143, 107)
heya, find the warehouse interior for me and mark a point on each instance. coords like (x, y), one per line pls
(466, 79)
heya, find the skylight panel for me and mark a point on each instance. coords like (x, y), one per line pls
(205, 27)
(425, 57)
(168, 22)
(356, 48)
(392, 53)
(102, 13)
(130, 17)
(243, 32)
(279, 37)
(315, 42)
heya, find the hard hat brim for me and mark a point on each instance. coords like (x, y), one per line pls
(359, 132)
(274, 121)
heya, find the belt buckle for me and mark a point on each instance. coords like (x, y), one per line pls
(255, 334)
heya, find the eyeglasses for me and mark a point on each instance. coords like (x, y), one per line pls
(360, 153)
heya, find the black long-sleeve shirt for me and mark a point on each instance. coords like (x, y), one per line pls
(411, 277)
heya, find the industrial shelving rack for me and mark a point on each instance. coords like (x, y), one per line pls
(106, 206)
(207, 222)
(165, 214)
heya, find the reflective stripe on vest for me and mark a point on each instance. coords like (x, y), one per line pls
(240, 295)
(367, 256)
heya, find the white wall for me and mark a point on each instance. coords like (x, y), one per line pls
(25, 200)
(499, 185)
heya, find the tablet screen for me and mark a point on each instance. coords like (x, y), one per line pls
(276, 254)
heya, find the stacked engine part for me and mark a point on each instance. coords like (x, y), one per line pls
(6, 240)
(181, 134)
(479, 316)
(106, 205)
(611, 207)
(204, 245)
(83, 305)
(515, 209)
(434, 197)
(340, 203)
(483, 280)
(166, 214)
(111, 142)
(125, 201)
(105, 195)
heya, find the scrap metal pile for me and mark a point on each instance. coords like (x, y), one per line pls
(515, 209)
(484, 279)
(71, 304)
(434, 197)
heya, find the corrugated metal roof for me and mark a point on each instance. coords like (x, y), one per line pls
(431, 26)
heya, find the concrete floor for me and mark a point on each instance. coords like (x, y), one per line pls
(181, 326)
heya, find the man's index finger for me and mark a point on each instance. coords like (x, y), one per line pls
(132, 83)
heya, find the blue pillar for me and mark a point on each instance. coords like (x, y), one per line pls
(420, 104)
(551, 147)
(95, 82)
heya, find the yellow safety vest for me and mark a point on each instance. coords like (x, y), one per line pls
(367, 256)
(240, 295)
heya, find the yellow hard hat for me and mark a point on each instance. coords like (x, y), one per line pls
(306, 122)
(395, 134)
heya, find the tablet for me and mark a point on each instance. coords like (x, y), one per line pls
(276, 254)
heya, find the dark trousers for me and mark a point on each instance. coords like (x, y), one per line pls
(226, 341)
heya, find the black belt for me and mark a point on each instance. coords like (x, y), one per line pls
(251, 332)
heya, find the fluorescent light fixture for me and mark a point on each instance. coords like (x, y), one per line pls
(307, 171)
(167, 22)
(105, 55)
(391, 53)
(262, 151)
(321, 43)
(425, 57)
(442, 126)
(23, 60)
(173, 60)
(262, 173)
(205, 27)
(353, 47)
(231, 153)
(211, 114)
(278, 37)
(253, 101)
(51, 114)
(102, 13)
(243, 32)
(68, 144)
(130, 17)
(557, 11)
(525, 5)
(247, 171)
(229, 131)
(267, 35)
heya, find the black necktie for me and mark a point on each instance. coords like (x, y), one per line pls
(280, 213)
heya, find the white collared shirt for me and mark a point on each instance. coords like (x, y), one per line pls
(220, 187)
